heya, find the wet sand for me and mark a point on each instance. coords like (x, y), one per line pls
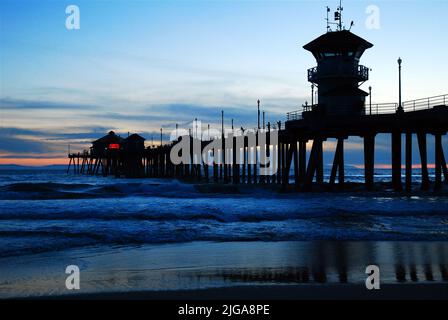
(234, 270)
(434, 291)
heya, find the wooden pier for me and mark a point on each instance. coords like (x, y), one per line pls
(340, 112)
(426, 120)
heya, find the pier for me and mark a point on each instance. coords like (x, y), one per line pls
(339, 112)
(425, 118)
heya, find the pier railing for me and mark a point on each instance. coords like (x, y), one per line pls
(294, 115)
(425, 103)
(408, 106)
(298, 114)
(383, 108)
(380, 108)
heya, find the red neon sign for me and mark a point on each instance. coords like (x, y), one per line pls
(114, 146)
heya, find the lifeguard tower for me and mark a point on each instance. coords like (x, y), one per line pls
(338, 74)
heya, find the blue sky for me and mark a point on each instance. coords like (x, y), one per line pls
(139, 65)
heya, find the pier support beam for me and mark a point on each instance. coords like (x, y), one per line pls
(290, 150)
(320, 163)
(444, 167)
(302, 161)
(314, 164)
(369, 160)
(256, 159)
(421, 137)
(338, 164)
(279, 161)
(224, 160)
(408, 161)
(396, 161)
(438, 160)
(249, 164)
(70, 162)
(296, 163)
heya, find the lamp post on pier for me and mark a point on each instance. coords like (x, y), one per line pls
(400, 107)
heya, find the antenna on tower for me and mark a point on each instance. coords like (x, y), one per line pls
(351, 25)
(338, 15)
(337, 18)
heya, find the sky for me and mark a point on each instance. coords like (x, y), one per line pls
(137, 66)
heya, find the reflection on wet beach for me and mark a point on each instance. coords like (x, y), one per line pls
(345, 262)
(200, 265)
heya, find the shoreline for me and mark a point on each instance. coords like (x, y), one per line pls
(412, 291)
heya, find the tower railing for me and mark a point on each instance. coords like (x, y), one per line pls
(361, 72)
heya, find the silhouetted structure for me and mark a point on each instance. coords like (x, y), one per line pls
(112, 155)
(338, 73)
(339, 113)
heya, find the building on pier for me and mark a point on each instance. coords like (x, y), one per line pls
(338, 74)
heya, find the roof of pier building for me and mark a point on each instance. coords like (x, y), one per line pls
(338, 40)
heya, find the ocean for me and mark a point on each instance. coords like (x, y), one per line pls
(44, 211)
(51, 215)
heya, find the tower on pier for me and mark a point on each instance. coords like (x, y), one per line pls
(338, 73)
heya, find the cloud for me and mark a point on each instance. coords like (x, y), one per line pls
(34, 143)
(18, 104)
(243, 114)
(54, 134)
(20, 145)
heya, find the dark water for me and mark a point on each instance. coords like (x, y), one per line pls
(48, 211)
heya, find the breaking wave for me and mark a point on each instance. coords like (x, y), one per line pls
(41, 213)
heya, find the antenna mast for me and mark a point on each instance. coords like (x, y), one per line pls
(337, 18)
(340, 8)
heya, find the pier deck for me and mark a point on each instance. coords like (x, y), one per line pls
(304, 126)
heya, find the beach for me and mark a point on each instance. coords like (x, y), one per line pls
(236, 270)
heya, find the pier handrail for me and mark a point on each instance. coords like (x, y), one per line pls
(425, 103)
(298, 113)
(384, 108)
(381, 108)
(294, 115)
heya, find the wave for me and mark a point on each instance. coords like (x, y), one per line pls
(193, 213)
(50, 190)
(163, 188)
(96, 211)
(15, 242)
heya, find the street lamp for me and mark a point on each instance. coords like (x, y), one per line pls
(400, 107)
